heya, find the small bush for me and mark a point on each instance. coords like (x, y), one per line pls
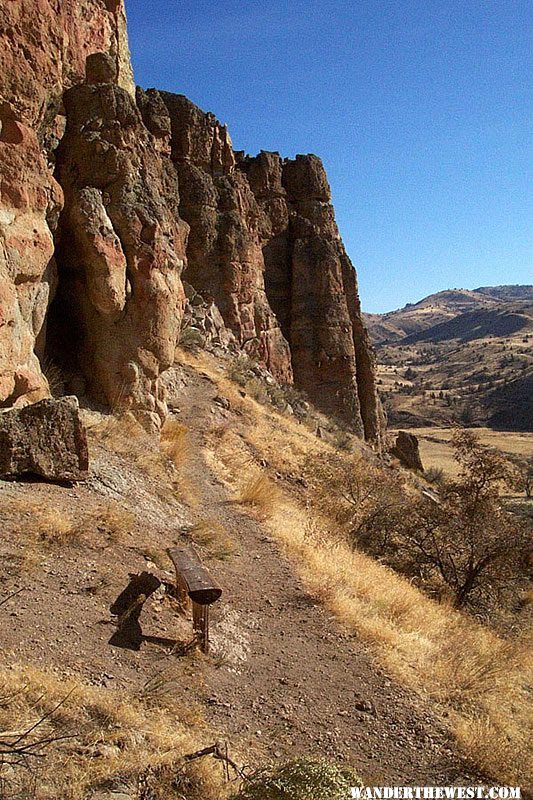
(467, 539)
(239, 370)
(301, 779)
(434, 475)
(258, 390)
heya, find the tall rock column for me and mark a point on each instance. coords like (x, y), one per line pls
(312, 288)
(43, 46)
(122, 243)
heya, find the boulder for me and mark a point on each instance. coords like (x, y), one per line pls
(47, 439)
(406, 451)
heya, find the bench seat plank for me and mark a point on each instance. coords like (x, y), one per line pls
(201, 587)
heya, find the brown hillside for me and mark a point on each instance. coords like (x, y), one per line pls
(474, 366)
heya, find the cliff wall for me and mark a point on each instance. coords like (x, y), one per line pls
(109, 196)
(43, 47)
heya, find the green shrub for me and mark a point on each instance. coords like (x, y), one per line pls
(301, 779)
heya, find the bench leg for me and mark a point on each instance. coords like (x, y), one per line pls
(200, 625)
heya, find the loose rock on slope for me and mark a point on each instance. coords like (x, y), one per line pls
(46, 439)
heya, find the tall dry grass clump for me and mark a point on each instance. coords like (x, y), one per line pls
(175, 442)
(260, 494)
(213, 536)
(80, 739)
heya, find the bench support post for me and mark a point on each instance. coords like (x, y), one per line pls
(200, 625)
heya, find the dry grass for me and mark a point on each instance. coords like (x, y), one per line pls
(104, 523)
(110, 520)
(122, 434)
(164, 460)
(213, 536)
(110, 737)
(54, 527)
(474, 678)
(261, 494)
(175, 442)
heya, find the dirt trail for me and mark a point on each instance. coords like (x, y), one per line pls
(303, 685)
(282, 677)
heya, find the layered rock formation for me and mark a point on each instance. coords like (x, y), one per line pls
(265, 245)
(43, 47)
(312, 288)
(100, 185)
(224, 254)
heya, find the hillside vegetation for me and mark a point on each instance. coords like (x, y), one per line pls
(417, 691)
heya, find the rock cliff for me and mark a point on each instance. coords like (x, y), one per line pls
(109, 196)
(43, 47)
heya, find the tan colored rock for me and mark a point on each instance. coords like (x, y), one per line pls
(312, 288)
(224, 254)
(28, 196)
(46, 439)
(43, 47)
(122, 247)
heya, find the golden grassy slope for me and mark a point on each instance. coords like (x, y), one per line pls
(476, 679)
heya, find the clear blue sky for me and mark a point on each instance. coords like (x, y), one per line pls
(419, 109)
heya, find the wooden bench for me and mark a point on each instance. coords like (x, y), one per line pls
(194, 584)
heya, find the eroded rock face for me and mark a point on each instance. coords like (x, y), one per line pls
(263, 249)
(28, 198)
(224, 254)
(264, 238)
(312, 288)
(122, 245)
(46, 439)
(43, 47)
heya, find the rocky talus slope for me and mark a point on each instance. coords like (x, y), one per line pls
(110, 195)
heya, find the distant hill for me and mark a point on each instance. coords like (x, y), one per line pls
(440, 307)
(459, 355)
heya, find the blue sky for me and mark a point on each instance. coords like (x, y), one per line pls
(420, 110)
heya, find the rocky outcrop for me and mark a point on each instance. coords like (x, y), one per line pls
(406, 451)
(100, 185)
(122, 245)
(312, 288)
(43, 47)
(202, 325)
(224, 254)
(264, 239)
(46, 439)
